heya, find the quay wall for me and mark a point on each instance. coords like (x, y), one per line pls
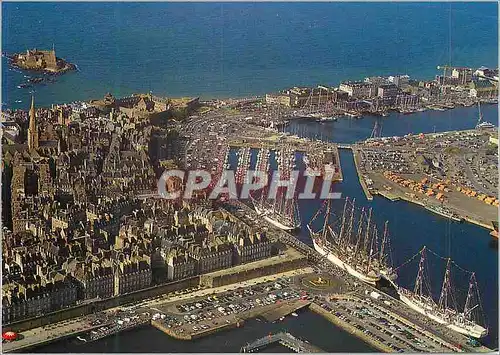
(283, 310)
(362, 182)
(390, 196)
(238, 323)
(340, 175)
(85, 309)
(191, 336)
(346, 326)
(170, 332)
(396, 197)
(475, 221)
(24, 348)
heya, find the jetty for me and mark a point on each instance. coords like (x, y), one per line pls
(361, 178)
(284, 339)
(284, 310)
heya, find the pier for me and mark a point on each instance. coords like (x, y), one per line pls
(362, 181)
(284, 339)
(284, 310)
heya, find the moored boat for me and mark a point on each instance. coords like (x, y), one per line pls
(445, 310)
(442, 211)
(352, 248)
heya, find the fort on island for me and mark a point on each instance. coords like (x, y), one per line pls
(41, 60)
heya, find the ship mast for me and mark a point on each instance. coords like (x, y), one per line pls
(467, 308)
(327, 217)
(345, 239)
(382, 247)
(367, 233)
(373, 241)
(309, 103)
(480, 118)
(419, 281)
(342, 226)
(360, 231)
(446, 288)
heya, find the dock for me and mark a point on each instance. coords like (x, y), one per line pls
(284, 339)
(284, 310)
(176, 334)
(362, 182)
(388, 195)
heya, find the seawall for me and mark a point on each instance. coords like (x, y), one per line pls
(88, 308)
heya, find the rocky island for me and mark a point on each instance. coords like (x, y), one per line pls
(40, 60)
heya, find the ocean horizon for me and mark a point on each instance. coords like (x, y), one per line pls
(215, 50)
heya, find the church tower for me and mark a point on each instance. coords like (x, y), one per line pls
(32, 129)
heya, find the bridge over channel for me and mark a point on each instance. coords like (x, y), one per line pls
(285, 339)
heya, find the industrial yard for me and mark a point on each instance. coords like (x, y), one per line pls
(453, 174)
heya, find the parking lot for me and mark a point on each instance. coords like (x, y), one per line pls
(218, 309)
(386, 327)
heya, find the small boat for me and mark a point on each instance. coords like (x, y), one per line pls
(485, 124)
(282, 318)
(81, 339)
(295, 314)
(18, 101)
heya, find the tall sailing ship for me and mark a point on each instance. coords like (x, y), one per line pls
(446, 310)
(481, 124)
(354, 247)
(282, 212)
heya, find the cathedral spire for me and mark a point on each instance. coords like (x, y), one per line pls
(32, 128)
(32, 108)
